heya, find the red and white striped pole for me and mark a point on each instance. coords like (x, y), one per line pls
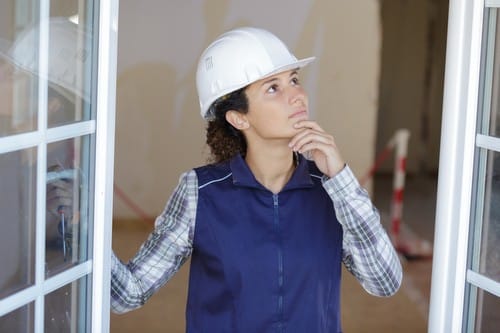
(401, 138)
(404, 240)
(380, 159)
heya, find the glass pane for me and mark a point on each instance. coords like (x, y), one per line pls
(494, 121)
(68, 206)
(18, 86)
(67, 308)
(18, 321)
(17, 220)
(18, 96)
(490, 235)
(69, 72)
(70, 64)
(488, 312)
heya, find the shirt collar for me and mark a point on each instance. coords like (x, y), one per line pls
(243, 176)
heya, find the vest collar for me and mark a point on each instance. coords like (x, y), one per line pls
(243, 176)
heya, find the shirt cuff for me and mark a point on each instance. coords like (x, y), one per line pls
(341, 185)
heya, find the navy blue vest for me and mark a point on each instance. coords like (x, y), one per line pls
(264, 262)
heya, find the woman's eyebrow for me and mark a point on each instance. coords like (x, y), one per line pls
(292, 73)
(269, 81)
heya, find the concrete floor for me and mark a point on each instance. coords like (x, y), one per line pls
(407, 311)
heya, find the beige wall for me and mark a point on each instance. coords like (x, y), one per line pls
(411, 83)
(159, 131)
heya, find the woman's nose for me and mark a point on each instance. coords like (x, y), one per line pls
(297, 95)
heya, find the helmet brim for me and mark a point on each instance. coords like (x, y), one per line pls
(295, 65)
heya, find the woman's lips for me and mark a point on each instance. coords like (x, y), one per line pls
(302, 113)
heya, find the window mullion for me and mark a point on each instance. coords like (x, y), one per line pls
(483, 282)
(43, 60)
(492, 3)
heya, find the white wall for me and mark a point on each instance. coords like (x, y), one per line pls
(159, 131)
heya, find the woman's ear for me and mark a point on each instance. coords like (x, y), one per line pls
(237, 119)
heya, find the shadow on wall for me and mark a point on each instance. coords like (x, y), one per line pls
(145, 120)
(157, 109)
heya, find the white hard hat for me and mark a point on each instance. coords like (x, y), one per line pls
(69, 55)
(238, 58)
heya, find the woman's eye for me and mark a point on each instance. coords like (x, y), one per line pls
(295, 81)
(273, 88)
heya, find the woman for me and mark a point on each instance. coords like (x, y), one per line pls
(266, 228)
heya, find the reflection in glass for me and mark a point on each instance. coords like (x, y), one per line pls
(488, 313)
(17, 220)
(18, 321)
(68, 76)
(490, 242)
(18, 98)
(66, 309)
(69, 72)
(71, 55)
(67, 207)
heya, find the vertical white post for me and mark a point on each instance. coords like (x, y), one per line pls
(43, 64)
(105, 132)
(456, 165)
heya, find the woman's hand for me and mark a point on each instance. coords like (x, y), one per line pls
(313, 141)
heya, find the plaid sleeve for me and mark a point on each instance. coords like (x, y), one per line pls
(367, 250)
(162, 254)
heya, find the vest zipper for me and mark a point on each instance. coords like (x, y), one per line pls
(280, 261)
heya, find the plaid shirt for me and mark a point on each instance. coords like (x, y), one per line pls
(367, 251)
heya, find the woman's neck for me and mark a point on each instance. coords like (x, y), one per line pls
(272, 167)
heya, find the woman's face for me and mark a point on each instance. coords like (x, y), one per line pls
(275, 104)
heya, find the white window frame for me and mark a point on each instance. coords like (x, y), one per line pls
(104, 129)
(456, 166)
(105, 143)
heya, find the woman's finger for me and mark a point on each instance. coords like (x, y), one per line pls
(308, 124)
(308, 136)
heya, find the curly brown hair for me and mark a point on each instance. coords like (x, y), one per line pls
(224, 140)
